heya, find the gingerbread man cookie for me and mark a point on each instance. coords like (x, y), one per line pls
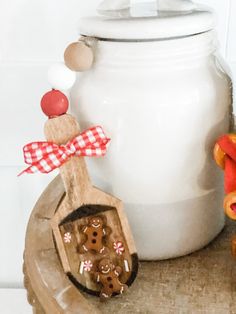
(95, 231)
(108, 275)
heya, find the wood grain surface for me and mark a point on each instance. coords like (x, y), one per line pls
(203, 282)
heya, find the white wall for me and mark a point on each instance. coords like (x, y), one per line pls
(33, 34)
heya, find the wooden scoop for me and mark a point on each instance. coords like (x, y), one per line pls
(89, 225)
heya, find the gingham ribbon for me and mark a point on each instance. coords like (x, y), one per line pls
(46, 156)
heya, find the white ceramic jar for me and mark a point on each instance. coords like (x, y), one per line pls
(161, 94)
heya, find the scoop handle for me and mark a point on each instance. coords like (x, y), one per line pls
(74, 172)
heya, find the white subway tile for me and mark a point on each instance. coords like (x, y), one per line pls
(19, 126)
(40, 30)
(21, 119)
(22, 85)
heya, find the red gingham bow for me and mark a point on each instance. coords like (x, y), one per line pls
(47, 156)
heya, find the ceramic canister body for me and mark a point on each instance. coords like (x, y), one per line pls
(163, 103)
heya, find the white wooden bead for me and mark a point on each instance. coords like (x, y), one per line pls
(60, 77)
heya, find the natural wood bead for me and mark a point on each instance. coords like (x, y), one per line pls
(219, 155)
(78, 56)
(230, 200)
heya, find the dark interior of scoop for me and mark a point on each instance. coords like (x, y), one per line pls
(85, 211)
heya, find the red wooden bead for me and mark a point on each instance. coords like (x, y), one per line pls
(54, 103)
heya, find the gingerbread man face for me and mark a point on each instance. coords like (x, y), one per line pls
(105, 266)
(95, 222)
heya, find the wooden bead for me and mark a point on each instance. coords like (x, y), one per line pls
(54, 103)
(218, 153)
(78, 57)
(230, 205)
(60, 77)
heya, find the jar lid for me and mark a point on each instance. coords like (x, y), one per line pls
(165, 25)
